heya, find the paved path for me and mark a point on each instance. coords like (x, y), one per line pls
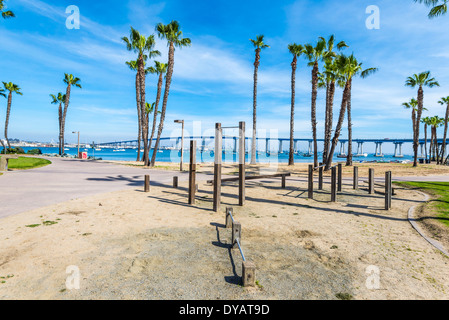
(67, 179)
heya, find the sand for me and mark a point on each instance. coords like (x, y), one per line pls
(134, 245)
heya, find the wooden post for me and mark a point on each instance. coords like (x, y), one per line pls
(147, 183)
(333, 184)
(371, 181)
(388, 190)
(356, 178)
(248, 274)
(236, 234)
(320, 177)
(192, 172)
(242, 163)
(217, 167)
(228, 220)
(391, 189)
(175, 182)
(310, 189)
(340, 176)
(283, 181)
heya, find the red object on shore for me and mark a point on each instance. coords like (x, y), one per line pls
(82, 155)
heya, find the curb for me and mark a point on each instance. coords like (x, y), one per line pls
(412, 221)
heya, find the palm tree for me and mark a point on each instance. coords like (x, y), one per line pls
(413, 105)
(331, 76)
(349, 68)
(143, 46)
(444, 101)
(426, 122)
(435, 122)
(12, 88)
(133, 65)
(259, 45)
(439, 7)
(322, 51)
(173, 34)
(419, 80)
(2, 94)
(59, 99)
(296, 50)
(70, 80)
(160, 69)
(5, 14)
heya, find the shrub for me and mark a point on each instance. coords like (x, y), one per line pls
(36, 151)
(17, 150)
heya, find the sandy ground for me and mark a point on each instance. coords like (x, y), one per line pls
(135, 245)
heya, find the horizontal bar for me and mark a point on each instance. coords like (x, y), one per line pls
(254, 177)
(240, 248)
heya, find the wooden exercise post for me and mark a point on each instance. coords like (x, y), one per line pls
(310, 189)
(334, 184)
(371, 181)
(147, 183)
(388, 190)
(192, 172)
(175, 181)
(356, 178)
(340, 176)
(217, 166)
(242, 163)
(320, 177)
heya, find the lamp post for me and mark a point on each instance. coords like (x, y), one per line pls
(78, 154)
(182, 142)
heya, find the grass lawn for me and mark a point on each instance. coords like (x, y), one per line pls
(440, 190)
(24, 163)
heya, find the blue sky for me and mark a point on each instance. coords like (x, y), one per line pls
(212, 79)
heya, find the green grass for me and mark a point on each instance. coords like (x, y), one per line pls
(25, 163)
(438, 189)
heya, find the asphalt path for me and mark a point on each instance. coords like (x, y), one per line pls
(67, 179)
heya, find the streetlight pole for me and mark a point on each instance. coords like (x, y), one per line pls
(182, 142)
(78, 154)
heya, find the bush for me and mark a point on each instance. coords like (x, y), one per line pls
(17, 150)
(34, 151)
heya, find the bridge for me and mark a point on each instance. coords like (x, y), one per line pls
(280, 141)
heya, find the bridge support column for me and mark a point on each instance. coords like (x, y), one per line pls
(378, 150)
(310, 148)
(267, 145)
(422, 150)
(398, 147)
(280, 147)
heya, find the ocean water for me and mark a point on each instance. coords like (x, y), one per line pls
(208, 156)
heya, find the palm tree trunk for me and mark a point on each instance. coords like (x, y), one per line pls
(443, 147)
(158, 98)
(313, 113)
(60, 124)
(4, 147)
(326, 122)
(341, 119)
(291, 160)
(64, 114)
(329, 122)
(139, 120)
(418, 119)
(171, 63)
(253, 141)
(425, 140)
(8, 112)
(141, 68)
(349, 156)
